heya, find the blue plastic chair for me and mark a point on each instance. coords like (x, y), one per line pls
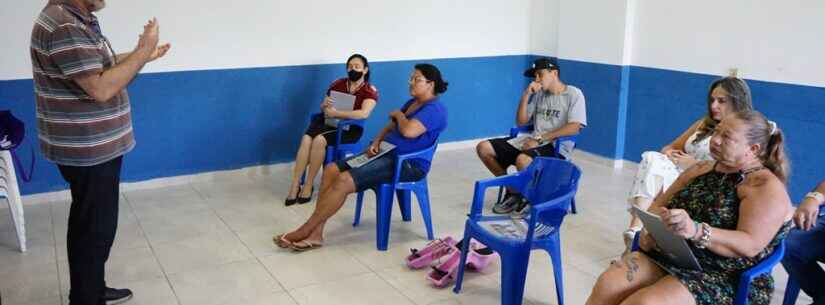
(765, 266)
(792, 288)
(515, 131)
(550, 185)
(337, 151)
(403, 190)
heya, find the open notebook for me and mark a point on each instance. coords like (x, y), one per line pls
(362, 158)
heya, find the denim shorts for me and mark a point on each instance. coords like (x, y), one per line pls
(380, 171)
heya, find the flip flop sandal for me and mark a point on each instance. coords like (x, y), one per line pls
(282, 242)
(306, 245)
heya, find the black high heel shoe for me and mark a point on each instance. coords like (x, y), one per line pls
(289, 202)
(302, 200)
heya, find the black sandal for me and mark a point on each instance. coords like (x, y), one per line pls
(303, 200)
(289, 202)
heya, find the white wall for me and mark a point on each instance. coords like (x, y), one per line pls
(779, 41)
(592, 30)
(212, 34)
(544, 27)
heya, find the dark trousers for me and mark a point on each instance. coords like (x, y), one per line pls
(803, 250)
(92, 226)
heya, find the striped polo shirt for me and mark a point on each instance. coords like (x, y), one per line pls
(73, 128)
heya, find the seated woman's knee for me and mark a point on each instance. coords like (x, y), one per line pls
(344, 183)
(319, 140)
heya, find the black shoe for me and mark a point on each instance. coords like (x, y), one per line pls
(289, 202)
(114, 296)
(303, 200)
(522, 208)
(508, 204)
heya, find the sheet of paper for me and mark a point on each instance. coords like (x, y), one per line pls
(342, 102)
(518, 142)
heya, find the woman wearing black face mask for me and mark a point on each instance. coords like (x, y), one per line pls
(311, 153)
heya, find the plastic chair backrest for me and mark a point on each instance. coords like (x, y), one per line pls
(550, 178)
(553, 185)
(425, 154)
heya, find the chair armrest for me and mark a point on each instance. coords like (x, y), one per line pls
(350, 122)
(520, 129)
(765, 266)
(552, 204)
(557, 206)
(566, 138)
(342, 125)
(425, 154)
(634, 246)
(557, 142)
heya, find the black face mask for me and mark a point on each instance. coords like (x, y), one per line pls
(354, 75)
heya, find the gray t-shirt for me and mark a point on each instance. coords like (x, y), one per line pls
(549, 112)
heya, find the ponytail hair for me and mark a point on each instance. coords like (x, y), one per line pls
(768, 135)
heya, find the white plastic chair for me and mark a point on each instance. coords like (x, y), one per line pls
(10, 191)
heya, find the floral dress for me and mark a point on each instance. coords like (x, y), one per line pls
(712, 198)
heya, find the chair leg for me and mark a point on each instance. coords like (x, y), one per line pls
(513, 277)
(558, 278)
(359, 202)
(422, 194)
(330, 155)
(500, 191)
(14, 199)
(791, 292)
(573, 205)
(404, 204)
(465, 249)
(383, 217)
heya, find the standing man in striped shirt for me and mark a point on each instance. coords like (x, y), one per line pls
(85, 127)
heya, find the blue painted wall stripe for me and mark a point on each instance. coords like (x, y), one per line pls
(198, 121)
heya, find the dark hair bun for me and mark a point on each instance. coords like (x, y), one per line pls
(441, 88)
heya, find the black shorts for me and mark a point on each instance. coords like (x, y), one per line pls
(318, 127)
(506, 154)
(379, 171)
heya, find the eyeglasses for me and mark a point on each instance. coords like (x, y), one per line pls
(415, 79)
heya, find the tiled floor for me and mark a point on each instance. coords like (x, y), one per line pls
(210, 244)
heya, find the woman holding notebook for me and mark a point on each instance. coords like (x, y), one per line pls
(322, 129)
(414, 127)
(659, 169)
(733, 212)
